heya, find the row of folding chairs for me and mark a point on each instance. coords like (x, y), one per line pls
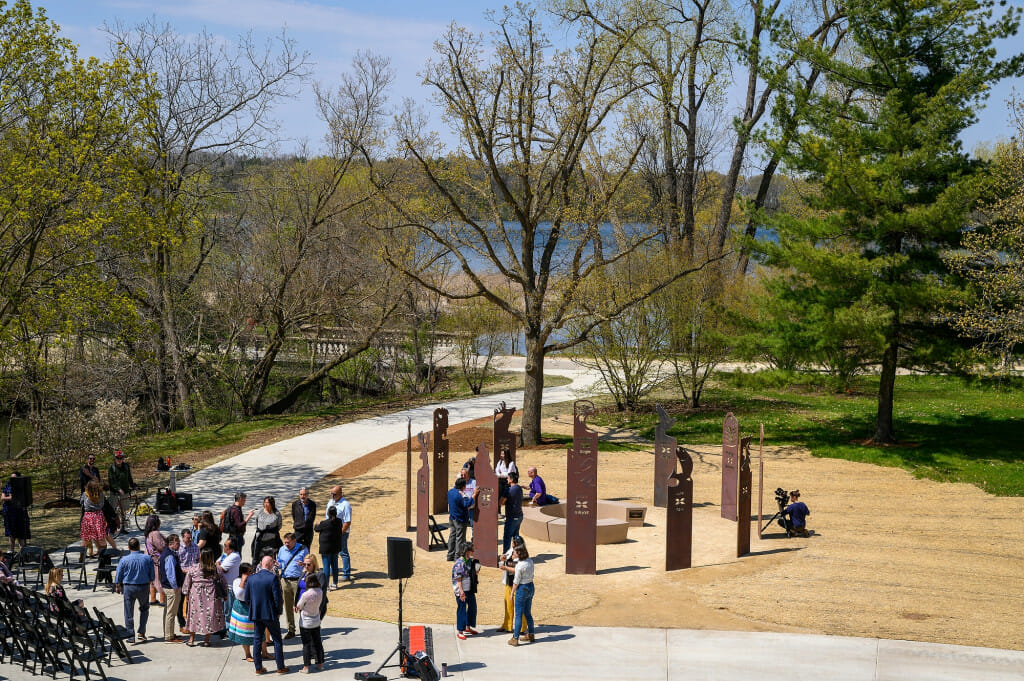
(52, 635)
(32, 561)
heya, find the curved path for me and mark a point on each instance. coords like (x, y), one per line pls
(560, 652)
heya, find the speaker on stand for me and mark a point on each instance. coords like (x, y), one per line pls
(21, 490)
(400, 566)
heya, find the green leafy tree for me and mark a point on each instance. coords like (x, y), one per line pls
(896, 187)
(992, 258)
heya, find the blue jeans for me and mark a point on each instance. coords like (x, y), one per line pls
(511, 530)
(132, 593)
(331, 566)
(346, 566)
(465, 612)
(258, 634)
(524, 608)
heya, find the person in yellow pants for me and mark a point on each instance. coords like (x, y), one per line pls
(509, 566)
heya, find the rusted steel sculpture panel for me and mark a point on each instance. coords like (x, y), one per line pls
(743, 500)
(760, 483)
(423, 494)
(730, 465)
(485, 515)
(441, 446)
(581, 493)
(679, 514)
(502, 438)
(664, 457)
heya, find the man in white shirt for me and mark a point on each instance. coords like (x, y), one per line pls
(344, 510)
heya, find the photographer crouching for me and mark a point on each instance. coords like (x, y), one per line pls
(797, 513)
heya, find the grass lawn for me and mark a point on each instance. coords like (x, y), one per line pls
(949, 429)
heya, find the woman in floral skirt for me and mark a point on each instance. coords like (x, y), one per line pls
(205, 607)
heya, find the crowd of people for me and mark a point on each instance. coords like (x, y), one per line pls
(516, 564)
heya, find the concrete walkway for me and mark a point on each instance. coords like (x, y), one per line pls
(560, 652)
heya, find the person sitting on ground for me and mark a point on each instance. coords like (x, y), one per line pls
(538, 490)
(797, 512)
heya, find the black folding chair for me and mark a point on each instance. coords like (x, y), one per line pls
(437, 538)
(74, 560)
(113, 637)
(107, 567)
(86, 651)
(31, 558)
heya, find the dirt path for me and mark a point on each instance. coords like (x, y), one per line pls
(890, 556)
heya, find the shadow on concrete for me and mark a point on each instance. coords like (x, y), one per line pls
(341, 631)
(465, 666)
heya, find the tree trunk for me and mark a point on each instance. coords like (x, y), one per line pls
(533, 391)
(884, 432)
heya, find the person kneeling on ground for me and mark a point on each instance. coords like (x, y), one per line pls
(798, 512)
(538, 490)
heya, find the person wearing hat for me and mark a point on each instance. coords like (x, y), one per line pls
(798, 512)
(121, 484)
(464, 581)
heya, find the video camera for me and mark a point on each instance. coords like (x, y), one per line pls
(781, 498)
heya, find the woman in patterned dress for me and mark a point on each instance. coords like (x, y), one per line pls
(205, 609)
(94, 524)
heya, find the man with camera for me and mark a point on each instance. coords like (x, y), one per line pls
(797, 513)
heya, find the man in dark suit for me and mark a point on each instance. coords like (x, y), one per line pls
(304, 518)
(263, 594)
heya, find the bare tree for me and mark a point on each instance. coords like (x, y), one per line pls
(303, 262)
(215, 105)
(520, 202)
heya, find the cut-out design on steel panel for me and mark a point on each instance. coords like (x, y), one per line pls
(581, 493)
(730, 465)
(679, 514)
(503, 439)
(743, 500)
(664, 457)
(441, 446)
(423, 494)
(485, 515)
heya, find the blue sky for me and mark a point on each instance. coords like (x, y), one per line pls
(332, 31)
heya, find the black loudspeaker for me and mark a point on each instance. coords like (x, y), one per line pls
(21, 490)
(399, 558)
(184, 501)
(165, 502)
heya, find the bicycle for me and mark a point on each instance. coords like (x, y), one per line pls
(138, 508)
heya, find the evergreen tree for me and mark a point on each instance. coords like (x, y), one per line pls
(882, 142)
